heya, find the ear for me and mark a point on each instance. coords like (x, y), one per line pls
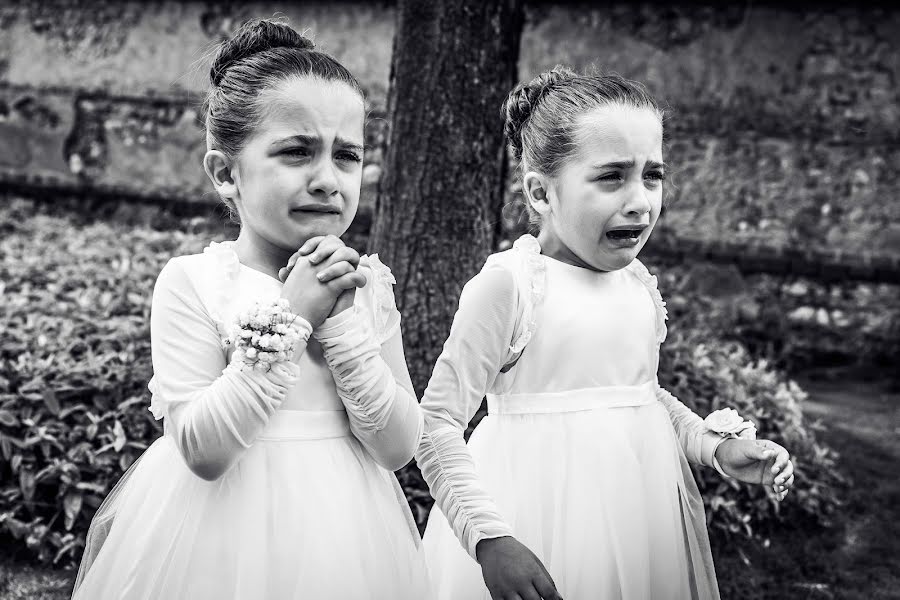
(534, 186)
(218, 168)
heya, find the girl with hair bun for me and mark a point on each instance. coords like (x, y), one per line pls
(278, 367)
(577, 483)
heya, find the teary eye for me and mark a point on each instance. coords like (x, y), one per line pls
(348, 156)
(300, 151)
(609, 177)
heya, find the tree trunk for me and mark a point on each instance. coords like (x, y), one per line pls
(437, 212)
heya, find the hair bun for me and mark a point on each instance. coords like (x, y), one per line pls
(521, 102)
(252, 37)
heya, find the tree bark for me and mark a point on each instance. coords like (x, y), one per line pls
(437, 212)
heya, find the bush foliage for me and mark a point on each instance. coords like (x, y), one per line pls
(75, 361)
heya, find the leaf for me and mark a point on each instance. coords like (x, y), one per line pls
(71, 508)
(125, 461)
(8, 419)
(92, 487)
(51, 402)
(35, 536)
(119, 433)
(27, 484)
(16, 527)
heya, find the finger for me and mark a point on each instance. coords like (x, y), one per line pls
(283, 272)
(781, 488)
(781, 460)
(310, 245)
(325, 249)
(787, 471)
(545, 587)
(529, 593)
(344, 253)
(348, 281)
(335, 271)
(760, 451)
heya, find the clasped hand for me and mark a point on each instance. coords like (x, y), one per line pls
(320, 279)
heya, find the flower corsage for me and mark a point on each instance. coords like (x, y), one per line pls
(728, 423)
(266, 334)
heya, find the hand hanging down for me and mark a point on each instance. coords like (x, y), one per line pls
(757, 461)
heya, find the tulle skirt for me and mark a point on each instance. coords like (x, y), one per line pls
(595, 484)
(304, 513)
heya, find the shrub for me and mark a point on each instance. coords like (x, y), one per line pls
(707, 375)
(75, 361)
(74, 365)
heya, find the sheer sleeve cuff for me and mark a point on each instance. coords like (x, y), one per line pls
(365, 382)
(450, 472)
(709, 441)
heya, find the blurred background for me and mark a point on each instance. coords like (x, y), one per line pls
(778, 253)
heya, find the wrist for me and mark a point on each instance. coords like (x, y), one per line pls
(721, 451)
(486, 545)
(721, 454)
(335, 325)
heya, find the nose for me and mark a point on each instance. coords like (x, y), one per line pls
(637, 203)
(323, 180)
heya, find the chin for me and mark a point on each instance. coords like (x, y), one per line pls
(618, 259)
(298, 237)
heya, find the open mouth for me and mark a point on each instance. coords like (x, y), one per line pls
(626, 232)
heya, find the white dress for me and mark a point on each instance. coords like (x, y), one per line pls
(582, 456)
(298, 499)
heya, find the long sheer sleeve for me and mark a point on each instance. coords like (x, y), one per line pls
(470, 361)
(213, 410)
(699, 444)
(374, 385)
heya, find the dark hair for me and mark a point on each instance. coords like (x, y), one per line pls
(259, 55)
(541, 115)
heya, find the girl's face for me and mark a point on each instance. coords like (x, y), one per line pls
(604, 202)
(299, 174)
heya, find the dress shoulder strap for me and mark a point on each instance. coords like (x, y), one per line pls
(524, 261)
(650, 282)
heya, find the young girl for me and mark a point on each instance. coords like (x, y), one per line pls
(273, 478)
(577, 482)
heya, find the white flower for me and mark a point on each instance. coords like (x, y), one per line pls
(749, 431)
(267, 334)
(728, 422)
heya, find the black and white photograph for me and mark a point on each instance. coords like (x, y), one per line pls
(449, 300)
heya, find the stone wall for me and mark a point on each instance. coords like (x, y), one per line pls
(783, 127)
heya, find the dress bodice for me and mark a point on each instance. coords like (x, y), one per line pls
(615, 344)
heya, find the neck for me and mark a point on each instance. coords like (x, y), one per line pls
(260, 254)
(554, 247)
